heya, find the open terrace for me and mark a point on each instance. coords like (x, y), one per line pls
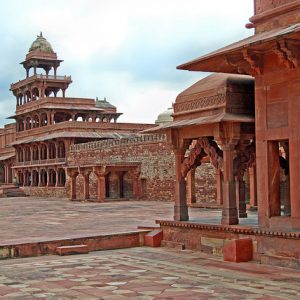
(34, 219)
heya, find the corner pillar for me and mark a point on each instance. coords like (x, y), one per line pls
(180, 207)
(229, 212)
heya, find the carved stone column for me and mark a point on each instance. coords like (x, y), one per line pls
(252, 182)
(100, 172)
(85, 172)
(135, 184)
(191, 193)
(219, 180)
(229, 212)
(241, 197)
(180, 207)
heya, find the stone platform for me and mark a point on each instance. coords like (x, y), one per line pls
(146, 274)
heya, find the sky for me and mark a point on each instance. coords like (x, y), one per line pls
(124, 50)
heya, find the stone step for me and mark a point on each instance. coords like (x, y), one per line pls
(73, 249)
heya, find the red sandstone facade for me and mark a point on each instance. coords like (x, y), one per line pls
(42, 152)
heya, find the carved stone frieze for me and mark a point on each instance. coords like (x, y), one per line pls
(199, 103)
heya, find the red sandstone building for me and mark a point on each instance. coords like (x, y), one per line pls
(34, 150)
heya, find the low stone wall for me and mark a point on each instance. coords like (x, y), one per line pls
(157, 162)
(56, 192)
(269, 247)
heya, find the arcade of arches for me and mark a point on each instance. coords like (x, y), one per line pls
(114, 182)
(45, 118)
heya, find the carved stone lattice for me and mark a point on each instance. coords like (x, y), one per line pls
(203, 147)
(245, 158)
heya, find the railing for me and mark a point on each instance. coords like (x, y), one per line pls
(41, 162)
(145, 138)
(40, 76)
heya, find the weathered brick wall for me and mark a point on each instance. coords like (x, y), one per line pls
(205, 183)
(157, 167)
(59, 192)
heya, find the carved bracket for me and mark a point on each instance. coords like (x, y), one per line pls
(201, 148)
(287, 55)
(245, 158)
(254, 60)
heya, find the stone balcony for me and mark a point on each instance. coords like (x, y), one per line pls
(43, 77)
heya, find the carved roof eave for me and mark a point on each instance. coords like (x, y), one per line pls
(204, 120)
(246, 56)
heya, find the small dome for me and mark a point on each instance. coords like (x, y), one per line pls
(41, 44)
(165, 116)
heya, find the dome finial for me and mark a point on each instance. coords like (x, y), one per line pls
(41, 34)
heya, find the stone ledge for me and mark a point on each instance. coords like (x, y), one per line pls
(231, 229)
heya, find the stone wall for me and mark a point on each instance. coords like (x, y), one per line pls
(157, 166)
(58, 192)
(205, 183)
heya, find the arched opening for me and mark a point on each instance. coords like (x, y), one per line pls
(127, 185)
(20, 125)
(61, 150)
(61, 117)
(35, 178)
(20, 178)
(52, 151)
(20, 155)
(27, 153)
(36, 121)
(2, 173)
(35, 153)
(112, 185)
(35, 94)
(28, 123)
(43, 153)
(52, 178)
(44, 119)
(61, 177)
(28, 96)
(44, 177)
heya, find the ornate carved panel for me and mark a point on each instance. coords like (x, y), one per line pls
(200, 102)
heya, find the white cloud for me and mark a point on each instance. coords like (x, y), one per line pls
(125, 50)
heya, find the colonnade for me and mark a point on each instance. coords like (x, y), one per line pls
(37, 120)
(103, 185)
(41, 151)
(42, 177)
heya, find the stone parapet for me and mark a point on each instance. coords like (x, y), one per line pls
(98, 145)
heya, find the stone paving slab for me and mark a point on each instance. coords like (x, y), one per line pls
(32, 219)
(144, 273)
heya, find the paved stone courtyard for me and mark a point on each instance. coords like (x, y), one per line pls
(34, 219)
(144, 273)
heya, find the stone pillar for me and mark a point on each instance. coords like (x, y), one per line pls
(191, 193)
(287, 197)
(252, 182)
(101, 188)
(274, 179)
(180, 207)
(229, 212)
(73, 185)
(219, 181)
(241, 197)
